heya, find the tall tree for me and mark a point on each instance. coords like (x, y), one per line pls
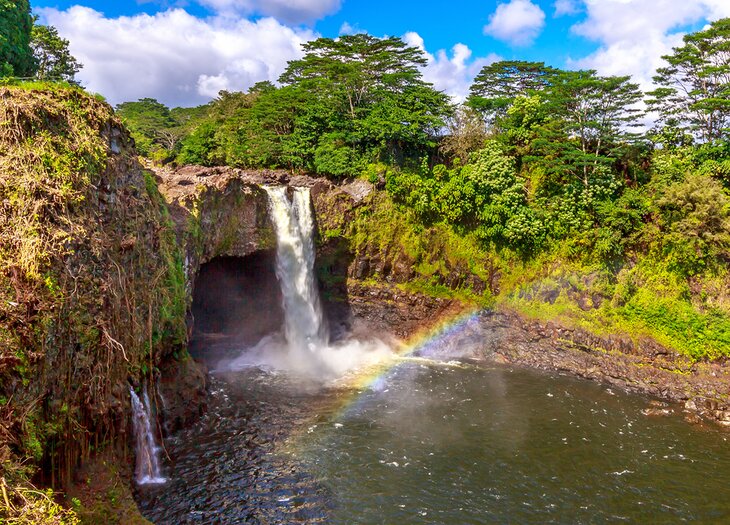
(596, 113)
(466, 133)
(53, 58)
(16, 23)
(364, 96)
(694, 89)
(498, 84)
(356, 66)
(150, 124)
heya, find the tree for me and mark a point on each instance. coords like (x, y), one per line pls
(595, 113)
(16, 23)
(466, 133)
(53, 58)
(589, 121)
(365, 94)
(694, 89)
(497, 85)
(357, 67)
(695, 224)
(151, 125)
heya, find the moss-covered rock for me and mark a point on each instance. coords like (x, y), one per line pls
(92, 287)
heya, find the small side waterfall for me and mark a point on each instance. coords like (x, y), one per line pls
(147, 469)
(304, 326)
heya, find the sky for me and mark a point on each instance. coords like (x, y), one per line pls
(183, 52)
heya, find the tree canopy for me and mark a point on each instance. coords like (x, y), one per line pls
(16, 23)
(346, 103)
(497, 85)
(52, 56)
(693, 92)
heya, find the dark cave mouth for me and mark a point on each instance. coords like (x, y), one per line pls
(236, 302)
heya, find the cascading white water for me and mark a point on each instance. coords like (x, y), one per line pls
(147, 469)
(304, 326)
(304, 346)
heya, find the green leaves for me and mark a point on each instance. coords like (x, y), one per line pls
(52, 56)
(693, 90)
(368, 92)
(695, 224)
(498, 85)
(16, 22)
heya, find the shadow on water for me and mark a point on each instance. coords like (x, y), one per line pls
(230, 467)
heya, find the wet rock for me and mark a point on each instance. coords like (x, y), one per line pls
(657, 412)
(182, 392)
(693, 418)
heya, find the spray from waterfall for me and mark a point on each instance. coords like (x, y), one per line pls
(147, 470)
(303, 346)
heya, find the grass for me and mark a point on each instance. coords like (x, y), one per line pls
(438, 256)
(638, 300)
(645, 301)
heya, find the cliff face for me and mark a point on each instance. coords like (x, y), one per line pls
(92, 289)
(222, 212)
(367, 261)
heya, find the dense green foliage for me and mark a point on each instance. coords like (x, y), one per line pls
(692, 94)
(16, 22)
(53, 59)
(347, 103)
(32, 51)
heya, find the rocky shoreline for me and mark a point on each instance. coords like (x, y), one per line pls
(699, 389)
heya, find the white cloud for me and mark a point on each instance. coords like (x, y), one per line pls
(518, 22)
(173, 56)
(566, 7)
(288, 11)
(634, 34)
(451, 73)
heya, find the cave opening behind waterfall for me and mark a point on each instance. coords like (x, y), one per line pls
(236, 302)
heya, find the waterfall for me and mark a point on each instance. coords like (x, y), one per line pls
(304, 326)
(148, 464)
(304, 346)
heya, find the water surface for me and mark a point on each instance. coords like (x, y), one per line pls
(432, 443)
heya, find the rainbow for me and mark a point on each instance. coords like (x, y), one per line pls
(423, 342)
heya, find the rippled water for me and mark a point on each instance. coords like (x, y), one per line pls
(469, 445)
(431, 443)
(227, 468)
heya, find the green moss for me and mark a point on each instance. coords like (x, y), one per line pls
(87, 247)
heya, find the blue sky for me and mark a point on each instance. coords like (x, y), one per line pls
(184, 51)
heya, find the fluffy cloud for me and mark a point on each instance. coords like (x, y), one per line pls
(518, 22)
(454, 73)
(288, 11)
(634, 34)
(173, 56)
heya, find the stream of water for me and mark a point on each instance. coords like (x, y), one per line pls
(431, 440)
(147, 468)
